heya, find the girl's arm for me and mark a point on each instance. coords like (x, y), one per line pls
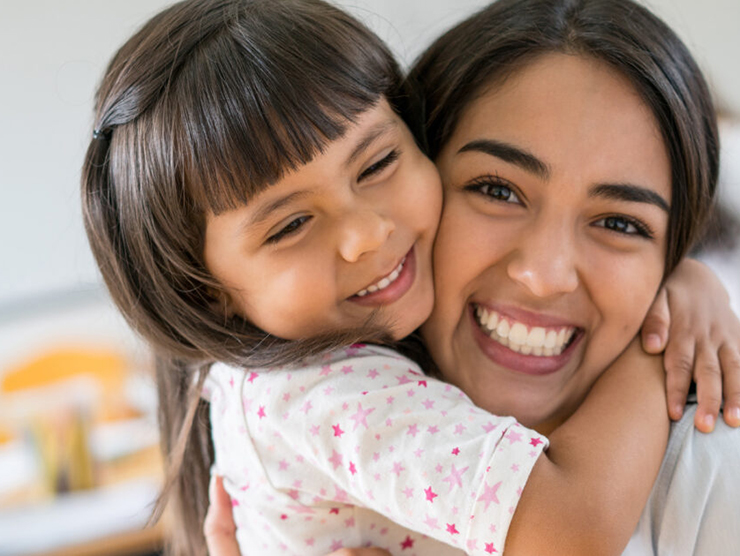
(692, 321)
(586, 493)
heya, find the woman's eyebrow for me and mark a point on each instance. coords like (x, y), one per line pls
(631, 193)
(509, 153)
(369, 138)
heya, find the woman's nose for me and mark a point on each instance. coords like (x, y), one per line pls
(545, 262)
(363, 231)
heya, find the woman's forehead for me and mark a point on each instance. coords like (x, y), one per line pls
(570, 112)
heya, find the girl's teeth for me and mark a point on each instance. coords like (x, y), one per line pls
(537, 341)
(385, 282)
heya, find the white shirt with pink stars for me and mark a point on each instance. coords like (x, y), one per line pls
(364, 449)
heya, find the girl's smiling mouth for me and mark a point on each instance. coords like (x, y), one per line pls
(391, 287)
(522, 347)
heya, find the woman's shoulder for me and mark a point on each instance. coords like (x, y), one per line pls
(696, 498)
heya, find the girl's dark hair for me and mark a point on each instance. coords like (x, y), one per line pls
(209, 103)
(491, 45)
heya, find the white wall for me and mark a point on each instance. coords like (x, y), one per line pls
(53, 52)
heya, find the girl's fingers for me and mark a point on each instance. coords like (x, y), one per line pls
(218, 527)
(679, 365)
(708, 387)
(729, 358)
(656, 325)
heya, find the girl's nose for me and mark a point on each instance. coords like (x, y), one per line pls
(363, 231)
(545, 262)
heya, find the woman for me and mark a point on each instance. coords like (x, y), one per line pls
(577, 171)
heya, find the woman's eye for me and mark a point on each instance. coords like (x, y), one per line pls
(624, 225)
(380, 165)
(292, 227)
(496, 190)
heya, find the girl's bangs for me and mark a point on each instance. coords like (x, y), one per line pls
(240, 126)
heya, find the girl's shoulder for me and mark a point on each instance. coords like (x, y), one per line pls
(222, 375)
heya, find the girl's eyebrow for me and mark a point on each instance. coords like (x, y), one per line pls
(262, 213)
(372, 134)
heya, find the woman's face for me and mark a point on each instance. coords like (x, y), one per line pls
(552, 240)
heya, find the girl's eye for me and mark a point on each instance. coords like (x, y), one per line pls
(380, 165)
(292, 227)
(495, 189)
(625, 225)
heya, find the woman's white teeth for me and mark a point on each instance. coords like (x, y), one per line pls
(384, 282)
(537, 340)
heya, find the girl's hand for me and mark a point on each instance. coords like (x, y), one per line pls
(219, 528)
(692, 321)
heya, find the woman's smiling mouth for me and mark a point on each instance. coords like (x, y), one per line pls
(524, 348)
(528, 340)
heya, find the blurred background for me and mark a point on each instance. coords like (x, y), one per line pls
(79, 463)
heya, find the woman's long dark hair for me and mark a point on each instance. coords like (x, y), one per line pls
(490, 45)
(209, 103)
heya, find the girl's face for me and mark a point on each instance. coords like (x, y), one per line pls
(337, 240)
(551, 246)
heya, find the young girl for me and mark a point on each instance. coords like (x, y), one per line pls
(253, 198)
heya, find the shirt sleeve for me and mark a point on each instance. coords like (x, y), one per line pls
(379, 433)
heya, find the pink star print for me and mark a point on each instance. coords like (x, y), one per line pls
(261, 412)
(308, 406)
(325, 370)
(252, 377)
(433, 429)
(407, 543)
(352, 468)
(336, 545)
(397, 468)
(452, 529)
(489, 494)
(455, 477)
(513, 436)
(428, 404)
(413, 430)
(337, 430)
(347, 370)
(455, 451)
(535, 442)
(373, 374)
(489, 427)
(459, 428)
(489, 548)
(336, 459)
(314, 430)
(422, 383)
(403, 379)
(360, 418)
(430, 494)
(431, 522)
